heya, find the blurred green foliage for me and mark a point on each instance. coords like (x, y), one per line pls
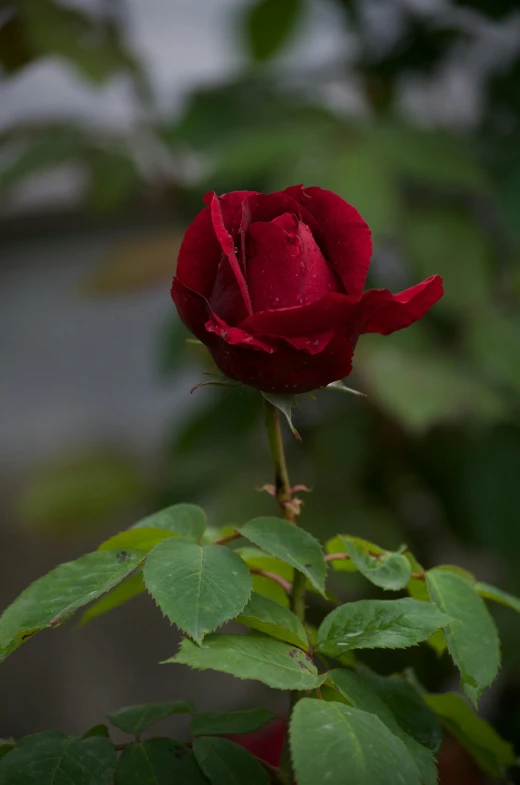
(431, 457)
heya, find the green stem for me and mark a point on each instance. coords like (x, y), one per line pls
(283, 493)
(284, 497)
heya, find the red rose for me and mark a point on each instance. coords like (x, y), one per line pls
(273, 284)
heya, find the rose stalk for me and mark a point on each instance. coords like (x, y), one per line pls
(273, 286)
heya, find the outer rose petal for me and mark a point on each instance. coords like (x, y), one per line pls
(285, 266)
(287, 370)
(226, 298)
(199, 255)
(230, 205)
(267, 207)
(334, 311)
(405, 307)
(341, 232)
(193, 309)
(227, 243)
(270, 363)
(234, 336)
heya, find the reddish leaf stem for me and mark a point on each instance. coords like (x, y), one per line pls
(228, 538)
(420, 576)
(286, 586)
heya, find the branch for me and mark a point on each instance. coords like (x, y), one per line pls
(286, 586)
(229, 538)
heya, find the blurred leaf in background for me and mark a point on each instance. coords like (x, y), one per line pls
(269, 23)
(82, 492)
(134, 265)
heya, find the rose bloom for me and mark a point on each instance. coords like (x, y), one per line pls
(273, 285)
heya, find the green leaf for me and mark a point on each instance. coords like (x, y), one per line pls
(114, 179)
(135, 719)
(492, 341)
(291, 544)
(359, 693)
(158, 761)
(332, 741)
(497, 595)
(268, 25)
(386, 569)
(131, 266)
(371, 624)
(97, 730)
(254, 657)
(80, 491)
(52, 758)
(49, 601)
(433, 157)
(408, 707)
(430, 237)
(284, 404)
(337, 545)
(15, 51)
(492, 753)
(227, 723)
(91, 46)
(358, 173)
(226, 763)
(6, 745)
(342, 387)
(420, 388)
(487, 477)
(52, 147)
(472, 639)
(140, 539)
(188, 520)
(197, 587)
(268, 616)
(124, 591)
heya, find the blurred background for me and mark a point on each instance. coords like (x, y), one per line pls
(115, 117)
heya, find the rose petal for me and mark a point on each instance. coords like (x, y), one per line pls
(245, 220)
(331, 312)
(228, 246)
(193, 309)
(199, 255)
(287, 370)
(341, 232)
(404, 308)
(231, 207)
(312, 344)
(226, 298)
(234, 336)
(285, 267)
(267, 207)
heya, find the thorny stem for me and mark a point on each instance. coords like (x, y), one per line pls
(289, 508)
(283, 493)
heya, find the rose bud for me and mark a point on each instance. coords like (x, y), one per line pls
(272, 284)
